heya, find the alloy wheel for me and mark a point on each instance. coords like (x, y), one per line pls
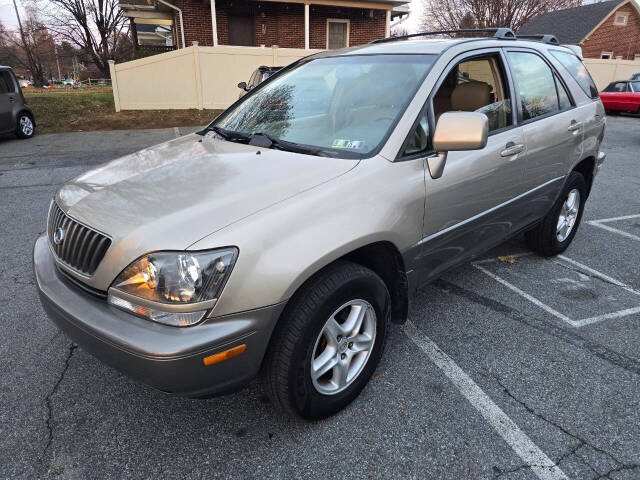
(26, 126)
(343, 347)
(568, 215)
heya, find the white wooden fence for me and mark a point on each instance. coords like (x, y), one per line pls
(192, 77)
(207, 77)
(606, 71)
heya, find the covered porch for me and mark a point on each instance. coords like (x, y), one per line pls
(307, 24)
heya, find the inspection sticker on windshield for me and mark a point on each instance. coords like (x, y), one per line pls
(348, 144)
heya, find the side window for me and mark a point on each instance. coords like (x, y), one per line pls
(476, 85)
(418, 140)
(563, 97)
(635, 86)
(536, 85)
(253, 81)
(578, 71)
(4, 87)
(620, 87)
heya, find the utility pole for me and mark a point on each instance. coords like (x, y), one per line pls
(34, 68)
(55, 49)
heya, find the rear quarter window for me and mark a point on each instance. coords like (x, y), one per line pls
(578, 71)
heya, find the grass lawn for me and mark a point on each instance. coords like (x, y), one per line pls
(59, 110)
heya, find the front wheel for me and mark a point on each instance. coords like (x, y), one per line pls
(328, 342)
(557, 229)
(25, 127)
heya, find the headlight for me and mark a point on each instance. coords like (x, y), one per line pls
(174, 288)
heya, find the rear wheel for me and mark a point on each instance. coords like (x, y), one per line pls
(328, 342)
(25, 127)
(557, 229)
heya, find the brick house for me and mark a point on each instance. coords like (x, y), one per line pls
(316, 24)
(604, 30)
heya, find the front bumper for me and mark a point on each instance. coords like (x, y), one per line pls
(600, 158)
(167, 358)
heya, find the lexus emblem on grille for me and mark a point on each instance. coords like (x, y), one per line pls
(58, 236)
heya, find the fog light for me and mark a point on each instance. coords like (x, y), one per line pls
(175, 319)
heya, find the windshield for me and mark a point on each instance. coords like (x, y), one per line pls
(342, 105)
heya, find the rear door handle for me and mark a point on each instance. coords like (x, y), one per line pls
(512, 149)
(12, 99)
(574, 126)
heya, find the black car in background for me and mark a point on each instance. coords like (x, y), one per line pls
(259, 75)
(15, 116)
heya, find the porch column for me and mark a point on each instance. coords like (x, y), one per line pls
(306, 26)
(214, 23)
(387, 26)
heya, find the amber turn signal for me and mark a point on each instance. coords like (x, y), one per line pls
(222, 356)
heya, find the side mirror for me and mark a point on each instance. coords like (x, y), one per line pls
(243, 86)
(457, 131)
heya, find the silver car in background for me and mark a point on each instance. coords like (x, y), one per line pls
(283, 239)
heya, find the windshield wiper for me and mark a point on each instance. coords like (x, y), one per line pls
(230, 135)
(264, 140)
(260, 139)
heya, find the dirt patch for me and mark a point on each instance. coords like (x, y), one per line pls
(60, 110)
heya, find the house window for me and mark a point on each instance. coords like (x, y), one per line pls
(621, 18)
(606, 55)
(337, 33)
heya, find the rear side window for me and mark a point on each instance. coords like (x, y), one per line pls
(4, 86)
(578, 71)
(536, 85)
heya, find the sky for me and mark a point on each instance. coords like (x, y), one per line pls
(7, 13)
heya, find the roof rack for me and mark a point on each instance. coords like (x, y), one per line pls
(550, 39)
(498, 33)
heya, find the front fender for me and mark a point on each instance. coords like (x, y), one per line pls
(284, 245)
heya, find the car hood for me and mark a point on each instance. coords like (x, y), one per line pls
(171, 195)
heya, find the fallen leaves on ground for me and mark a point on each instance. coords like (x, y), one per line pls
(507, 259)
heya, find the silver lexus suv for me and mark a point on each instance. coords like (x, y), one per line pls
(284, 238)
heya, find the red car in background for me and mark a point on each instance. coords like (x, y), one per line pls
(621, 96)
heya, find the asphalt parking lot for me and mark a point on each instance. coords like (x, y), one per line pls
(519, 368)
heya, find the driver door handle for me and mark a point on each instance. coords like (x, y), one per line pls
(512, 149)
(12, 99)
(574, 126)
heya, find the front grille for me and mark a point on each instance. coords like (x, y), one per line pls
(81, 248)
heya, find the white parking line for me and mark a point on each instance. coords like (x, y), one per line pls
(522, 445)
(600, 224)
(532, 299)
(600, 275)
(574, 323)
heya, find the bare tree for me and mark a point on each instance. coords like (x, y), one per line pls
(97, 27)
(31, 47)
(455, 14)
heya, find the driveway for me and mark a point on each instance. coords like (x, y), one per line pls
(514, 367)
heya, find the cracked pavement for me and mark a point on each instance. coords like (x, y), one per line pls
(574, 391)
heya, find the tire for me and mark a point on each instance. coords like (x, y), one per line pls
(547, 239)
(302, 332)
(25, 127)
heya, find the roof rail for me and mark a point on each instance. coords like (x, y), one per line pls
(499, 33)
(546, 38)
